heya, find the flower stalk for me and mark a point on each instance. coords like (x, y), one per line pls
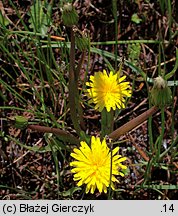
(80, 109)
(73, 93)
(21, 122)
(114, 135)
(107, 122)
(133, 123)
(65, 136)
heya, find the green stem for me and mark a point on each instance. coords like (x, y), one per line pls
(161, 135)
(150, 131)
(170, 74)
(106, 122)
(114, 8)
(110, 178)
(169, 18)
(147, 174)
(174, 143)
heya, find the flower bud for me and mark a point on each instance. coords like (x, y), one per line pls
(69, 15)
(161, 95)
(81, 39)
(20, 122)
(82, 43)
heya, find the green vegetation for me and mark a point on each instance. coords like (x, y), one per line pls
(44, 108)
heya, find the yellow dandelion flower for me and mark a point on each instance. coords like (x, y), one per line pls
(92, 165)
(108, 90)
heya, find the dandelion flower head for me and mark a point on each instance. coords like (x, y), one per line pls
(108, 90)
(92, 165)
